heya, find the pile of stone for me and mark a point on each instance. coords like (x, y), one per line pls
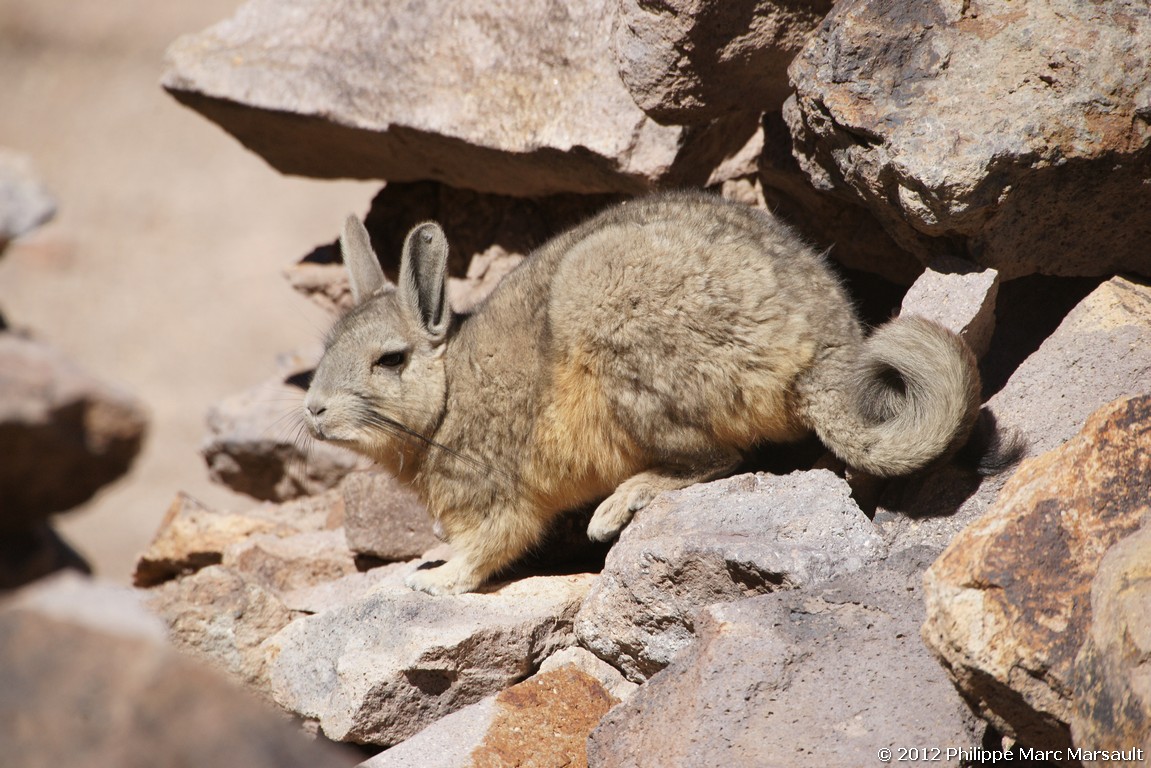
(64, 434)
(983, 164)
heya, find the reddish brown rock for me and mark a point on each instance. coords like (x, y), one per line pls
(542, 722)
(1008, 602)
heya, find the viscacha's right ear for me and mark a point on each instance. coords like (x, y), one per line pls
(364, 271)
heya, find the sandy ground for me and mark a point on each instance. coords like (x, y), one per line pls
(161, 271)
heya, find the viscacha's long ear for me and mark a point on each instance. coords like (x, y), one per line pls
(364, 271)
(424, 277)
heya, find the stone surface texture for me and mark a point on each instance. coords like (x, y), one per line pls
(502, 97)
(1032, 179)
(716, 542)
(1008, 602)
(825, 675)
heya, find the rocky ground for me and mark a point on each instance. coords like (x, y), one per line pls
(982, 164)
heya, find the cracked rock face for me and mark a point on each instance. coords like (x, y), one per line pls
(1009, 133)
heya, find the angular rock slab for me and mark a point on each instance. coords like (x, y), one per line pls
(63, 433)
(497, 96)
(1045, 176)
(1113, 671)
(960, 297)
(1008, 602)
(384, 518)
(88, 680)
(819, 676)
(543, 721)
(690, 61)
(716, 542)
(382, 669)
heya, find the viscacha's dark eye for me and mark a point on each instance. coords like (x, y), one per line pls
(391, 359)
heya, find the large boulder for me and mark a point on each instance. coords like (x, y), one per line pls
(1037, 178)
(1008, 602)
(496, 96)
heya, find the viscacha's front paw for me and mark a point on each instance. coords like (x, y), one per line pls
(452, 578)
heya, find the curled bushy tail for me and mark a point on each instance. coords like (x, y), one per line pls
(895, 403)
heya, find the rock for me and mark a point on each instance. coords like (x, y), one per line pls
(715, 542)
(285, 563)
(689, 61)
(25, 203)
(345, 590)
(1099, 353)
(223, 619)
(95, 684)
(384, 519)
(543, 721)
(1008, 601)
(1035, 179)
(824, 675)
(608, 676)
(63, 433)
(257, 443)
(960, 297)
(1111, 685)
(504, 97)
(380, 670)
(852, 235)
(191, 536)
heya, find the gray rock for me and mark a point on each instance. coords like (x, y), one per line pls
(25, 203)
(543, 721)
(383, 518)
(380, 670)
(824, 675)
(507, 97)
(960, 297)
(1037, 178)
(1099, 353)
(257, 443)
(716, 542)
(691, 61)
(285, 563)
(63, 433)
(88, 679)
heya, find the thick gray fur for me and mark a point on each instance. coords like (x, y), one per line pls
(641, 351)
